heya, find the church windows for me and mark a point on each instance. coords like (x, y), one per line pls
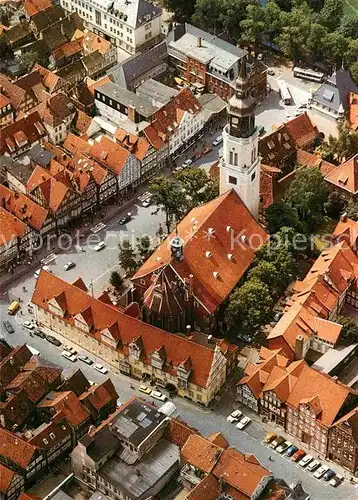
(235, 159)
(232, 180)
(253, 155)
(253, 175)
(231, 157)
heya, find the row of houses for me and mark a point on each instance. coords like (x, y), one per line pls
(43, 414)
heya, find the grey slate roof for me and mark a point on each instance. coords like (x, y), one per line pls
(40, 155)
(156, 92)
(334, 92)
(125, 73)
(127, 98)
(18, 170)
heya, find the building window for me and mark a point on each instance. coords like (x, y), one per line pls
(253, 175)
(232, 180)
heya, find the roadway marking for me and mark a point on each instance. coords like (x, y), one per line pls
(103, 274)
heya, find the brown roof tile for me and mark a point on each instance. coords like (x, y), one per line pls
(346, 175)
(201, 453)
(16, 449)
(302, 130)
(208, 488)
(69, 405)
(353, 111)
(6, 476)
(14, 93)
(33, 7)
(30, 127)
(23, 208)
(10, 227)
(209, 228)
(111, 155)
(99, 396)
(178, 432)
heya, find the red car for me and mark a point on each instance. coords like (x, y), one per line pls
(207, 150)
(196, 156)
(298, 455)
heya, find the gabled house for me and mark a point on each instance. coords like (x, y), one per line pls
(344, 178)
(191, 274)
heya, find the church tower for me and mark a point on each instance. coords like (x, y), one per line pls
(240, 163)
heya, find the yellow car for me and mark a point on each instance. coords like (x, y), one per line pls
(270, 436)
(145, 389)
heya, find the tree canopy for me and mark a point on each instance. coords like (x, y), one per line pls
(127, 256)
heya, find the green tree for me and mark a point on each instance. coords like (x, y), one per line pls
(116, 280)
(5, 50)
(252, 27)
(295, 32)
(250, 307)
(273, 20)
(342, 147)
(169, 196)
(349, 331)
(317, 33)
(350, 57)
(27, 60)
(207, 15)
(144, 247)
(353, 69)
(352, 210)
(280, 214)
(331, 14)
(307, 195)
(335, 46)
(349, 26)
(334, 205)
(127, 256)
(183, 9)
(266, 272)
(197, 186)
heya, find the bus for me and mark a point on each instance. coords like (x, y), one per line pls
(284, 92)
(308, 74)
(13, 307)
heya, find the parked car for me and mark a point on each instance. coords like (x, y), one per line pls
(53, 340)
(336, 480)
(290, 451)
(69, 356)
(313, 465)
(270, 436)
(261, 130)
(276, 442)
(283, 446)
(178, 169)
(69, 266)
(99, 246)
(321, 471)
(206, 150)
(126, 218)
(302, 106)
(270, 72)
(196, 156)
(28, 324)
(234, 416)
(218, 140)
(158, 395)
(187, 163)
(85, 359)
(305, 460)
(243, 423)
(145, 389)
(39, 333)
(327, 476)
(45, 268)
(100, 368)
(70, 349)
(147, 202)
(8, 326)
(298, 455)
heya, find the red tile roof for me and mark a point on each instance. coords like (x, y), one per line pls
(6, 476)
(69, 405)
(22, 132)
(31, 383)
(345, 176)
(76, 144)
(10, 227)
(302, 130)
(82, 122)
(208, 488)
(201, 453)
(242, 472)
(136, 145)
(14, 448)
(321, 392)
(53, 191)
(218, 439)
(316, 297)
(68, 49)
(50, 80)
(12, 363)
(93, 42)
(15, 94)
(153, 138)
(177, 349)
(277, 147)
(99, 396)
(52, 434)
(23, 208)
(178, 432)
(4, 101)
(310, 160)
(346, 230)
(212, 228)
(111, 155)
(353, 111)
(33, 7)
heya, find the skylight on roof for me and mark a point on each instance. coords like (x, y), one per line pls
(328, 95)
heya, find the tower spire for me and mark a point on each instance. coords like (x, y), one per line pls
(241, 105)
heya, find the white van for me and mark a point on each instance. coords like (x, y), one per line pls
(218, 140)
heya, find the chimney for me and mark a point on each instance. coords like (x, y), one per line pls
(299, 345)
(191, 285)
(211, 339)
(2, 421)
(344, 217)
(198, 41)
(188, 330)
(62, 29)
